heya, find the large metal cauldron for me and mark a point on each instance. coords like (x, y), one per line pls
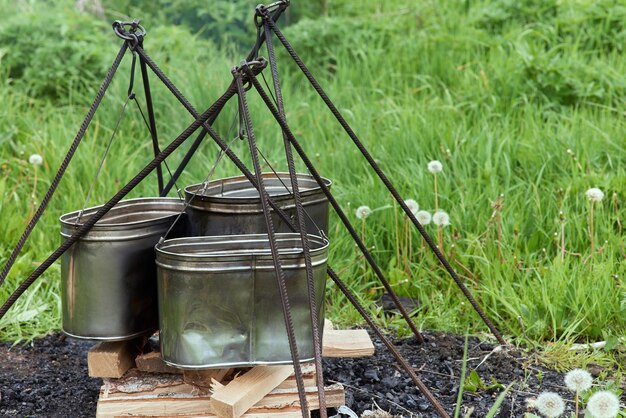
(219, 304)
(232, 206)
(108, 277)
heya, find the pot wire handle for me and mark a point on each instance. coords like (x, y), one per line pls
(104, 157)
(205, 184)
(290, 193)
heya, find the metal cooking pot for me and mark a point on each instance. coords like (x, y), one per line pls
(232, 206)
(219, 304)
(108, 277)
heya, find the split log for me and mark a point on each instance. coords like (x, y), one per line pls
(347, 343)
(111, 359)
(234, 399)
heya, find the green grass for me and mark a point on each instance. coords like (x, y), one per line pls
(497, 91)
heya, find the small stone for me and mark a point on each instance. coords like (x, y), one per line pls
(390, 381)
(372, 374)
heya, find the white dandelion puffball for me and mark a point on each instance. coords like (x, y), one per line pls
(435, 166)
(35, 159)
(441, 218)
(550, 404)
(603, 404)
(578, 380)
(595, 195)
(412, 205)
(423, 217)
(363, 212)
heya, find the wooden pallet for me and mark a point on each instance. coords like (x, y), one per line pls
(144, 386)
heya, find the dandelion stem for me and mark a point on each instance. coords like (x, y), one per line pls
(439, 229)
(436, 195)
(407, 252)
(34, 194)
(405, 244)
(440, 237)
(410, 232)
(395, 216)
(591, 229)
(363, 230)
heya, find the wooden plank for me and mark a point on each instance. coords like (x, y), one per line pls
(347, 343)
(308, 374)
(152, 362)
(335, 396)
(234, 399)
(111, 359)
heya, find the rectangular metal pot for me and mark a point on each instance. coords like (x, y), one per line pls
(108, 277)
(219, 304)
(232, 206)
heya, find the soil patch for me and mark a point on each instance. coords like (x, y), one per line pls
(378, 382)
(48, 378)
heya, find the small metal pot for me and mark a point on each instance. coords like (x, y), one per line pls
(108, 277)
(232, 206)
(219, 304)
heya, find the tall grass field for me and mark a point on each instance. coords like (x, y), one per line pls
(522, 102)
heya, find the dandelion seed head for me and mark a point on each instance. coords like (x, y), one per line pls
(441, 218)
(603, 404)
(595, 195)
(550, 404)
(435, 166)
(35, 159)
(578, 380)
(363, 212)
(423, 217)
(412, 205)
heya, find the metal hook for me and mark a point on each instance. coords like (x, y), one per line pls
(262, 11)
(131, 83)
(134, 35)
(241, 71)
(262, 8)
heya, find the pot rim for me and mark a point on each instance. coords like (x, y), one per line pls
(191, 189)
(68, 220)
(161, 248)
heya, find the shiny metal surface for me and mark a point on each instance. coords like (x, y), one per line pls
(219, 304)
(108, 278)
(232, 206)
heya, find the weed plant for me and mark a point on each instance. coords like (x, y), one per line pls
(522, 102)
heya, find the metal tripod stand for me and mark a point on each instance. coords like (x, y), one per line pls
(244, 79)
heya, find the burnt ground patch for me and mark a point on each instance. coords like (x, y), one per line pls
(48, 378)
